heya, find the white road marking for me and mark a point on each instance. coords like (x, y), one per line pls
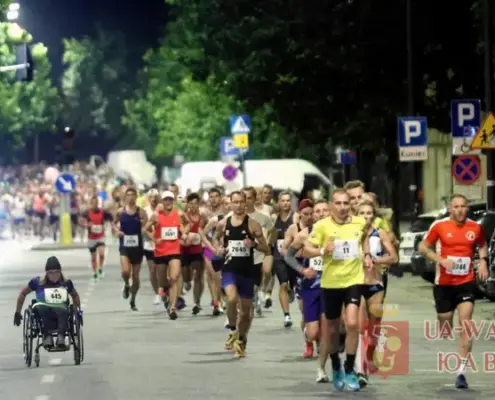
(55, 361)
(48, 378)
(42, 397)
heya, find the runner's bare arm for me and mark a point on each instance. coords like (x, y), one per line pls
(203, 233)
(150, 224)
(294, 248)
(116, 221)
(391, 258)
(144, 218)
(289, 236)
(219, 232)
(185, 226)
(428, 241)
(257, 231)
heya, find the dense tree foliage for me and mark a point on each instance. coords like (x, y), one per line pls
(331, 72)
(95, 82)
(26, 107)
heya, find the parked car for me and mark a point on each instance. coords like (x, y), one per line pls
(426, 268)
(417, 229)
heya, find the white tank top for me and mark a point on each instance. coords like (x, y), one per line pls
(148, 244)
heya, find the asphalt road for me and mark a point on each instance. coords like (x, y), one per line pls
(143, 355)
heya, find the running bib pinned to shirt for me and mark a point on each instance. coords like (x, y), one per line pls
(170, 233)
(316, 263)
(280, 243)
(195, 239)
(346, 249)
(55, 295)
(131, 241)
(96, 228)
(237, 248)
(461, 267)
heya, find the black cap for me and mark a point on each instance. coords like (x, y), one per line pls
(52, 264)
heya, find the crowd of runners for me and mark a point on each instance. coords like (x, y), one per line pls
(331, 255)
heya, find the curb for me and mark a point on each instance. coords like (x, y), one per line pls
(58, 246)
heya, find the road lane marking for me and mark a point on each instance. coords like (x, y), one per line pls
(48, 378)
(55, 361)
(42, 397)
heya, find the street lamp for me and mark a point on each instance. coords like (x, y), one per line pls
(13, 11)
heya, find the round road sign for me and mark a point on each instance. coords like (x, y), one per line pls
(229, 173)
(466, 170)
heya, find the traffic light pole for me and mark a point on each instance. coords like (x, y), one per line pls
(490, 160)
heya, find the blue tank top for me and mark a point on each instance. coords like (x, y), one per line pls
(306, 263)
(130, 225)
(51, 293)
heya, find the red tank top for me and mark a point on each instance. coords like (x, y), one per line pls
(97, 220)
(195, 247)
(167, 229)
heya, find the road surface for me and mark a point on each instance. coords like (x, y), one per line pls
(143, 355)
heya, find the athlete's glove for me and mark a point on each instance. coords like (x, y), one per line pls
(17, 318)
(79, 317)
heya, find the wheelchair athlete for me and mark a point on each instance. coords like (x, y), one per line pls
(52, 302)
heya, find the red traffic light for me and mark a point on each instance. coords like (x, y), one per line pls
(69, 133)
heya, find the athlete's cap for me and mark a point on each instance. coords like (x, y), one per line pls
(52, 264)
(305, 204)
(167, 194)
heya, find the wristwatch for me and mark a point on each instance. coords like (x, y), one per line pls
(484, 259)
(322, 251)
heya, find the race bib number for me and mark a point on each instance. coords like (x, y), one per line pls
(55, 295)
(148, 245)
(346, 249)
(195, 239)
(97, 229)
(131, 241)
(461, 267)
(280, 243)
(170, 233)
(316, 263)
(237, 248)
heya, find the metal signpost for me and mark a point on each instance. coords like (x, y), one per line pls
(240, 127)
(65, 185)
(465, 122)
(413, 138)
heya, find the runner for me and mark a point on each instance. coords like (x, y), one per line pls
(212, 262)
(169, 227)
(384, 255)
(237, 236)
(306, 213)
(267, 228)
(192, 251)
(153, 198)
(128, 225)
(342, 241)
(455, 279)
(286, 276)
(94, 221)
(312, 306)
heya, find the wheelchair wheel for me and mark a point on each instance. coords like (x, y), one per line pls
(28, 338)
(78, 341)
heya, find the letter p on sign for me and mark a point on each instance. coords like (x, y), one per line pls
(466, 113)
(412, 129)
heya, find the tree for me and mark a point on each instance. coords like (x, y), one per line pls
(95, 83)
(26, 108)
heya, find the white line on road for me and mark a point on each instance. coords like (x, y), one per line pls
(42, 397)
(55, 361)
(48, 378)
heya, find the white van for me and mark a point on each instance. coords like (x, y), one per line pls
(286, 174)
(418, 228)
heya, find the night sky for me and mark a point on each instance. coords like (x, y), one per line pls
(49, 21)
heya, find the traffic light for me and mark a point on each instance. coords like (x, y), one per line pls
(23, 56)
(68, 145)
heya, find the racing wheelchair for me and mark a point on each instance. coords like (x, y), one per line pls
(33, 338)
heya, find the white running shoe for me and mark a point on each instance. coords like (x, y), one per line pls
(157, 300)
(321, 376)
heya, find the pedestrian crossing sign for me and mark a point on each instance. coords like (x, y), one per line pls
(240, 125)
(485, 137)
